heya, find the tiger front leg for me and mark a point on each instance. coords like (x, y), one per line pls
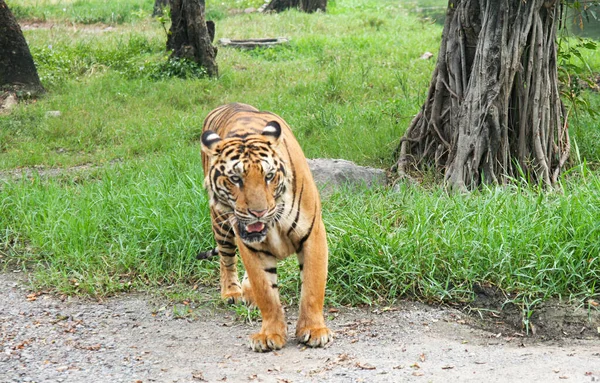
(262, 290)
(312, 258)
(231, 290)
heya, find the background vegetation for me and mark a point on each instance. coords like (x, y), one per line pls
(349, 82)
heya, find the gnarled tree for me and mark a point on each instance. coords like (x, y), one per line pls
(308, 6)
(191, 36)
(17, 69)
(493, 110)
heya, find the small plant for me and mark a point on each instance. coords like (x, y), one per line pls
(175, 67)
(246, 313)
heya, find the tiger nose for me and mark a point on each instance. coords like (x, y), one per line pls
(257, 213)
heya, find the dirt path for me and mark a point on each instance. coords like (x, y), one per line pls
(134, 338)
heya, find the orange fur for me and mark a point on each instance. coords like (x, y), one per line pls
(264, 202)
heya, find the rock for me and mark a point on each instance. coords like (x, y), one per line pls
(8, 103)
(53, 113)
(329, 174)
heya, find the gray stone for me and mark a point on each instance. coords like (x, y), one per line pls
(331, 173)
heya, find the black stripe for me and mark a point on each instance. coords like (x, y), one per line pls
(226, 244)
(301, 243)
(295, 223)
(291, 162)
(274, 286)
(265, 252)
(229, 265)
(301, 266)
(217, 230)
(272, 270)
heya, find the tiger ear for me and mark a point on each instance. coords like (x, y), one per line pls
(272, 131)
(210, 140)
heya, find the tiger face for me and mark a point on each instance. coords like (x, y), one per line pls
(247, 180)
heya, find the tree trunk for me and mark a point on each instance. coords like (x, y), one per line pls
(191, 35)
(17, 70)
(308, 6)
(493, 111)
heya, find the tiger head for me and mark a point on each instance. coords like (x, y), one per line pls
(247, 179)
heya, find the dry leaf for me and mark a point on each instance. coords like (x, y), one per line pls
(426, 56)
(365, 366)
(422, 357)
(198, 375)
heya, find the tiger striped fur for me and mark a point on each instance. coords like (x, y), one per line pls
(264, 202)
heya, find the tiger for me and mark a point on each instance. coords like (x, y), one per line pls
(264, 202)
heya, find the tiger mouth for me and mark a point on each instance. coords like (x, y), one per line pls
(253, 232)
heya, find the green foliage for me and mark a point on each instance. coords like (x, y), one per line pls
(575, 73)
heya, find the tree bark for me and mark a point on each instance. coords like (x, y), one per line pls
(17, 69)
(308, 6)
(493, 111)
(191, 36)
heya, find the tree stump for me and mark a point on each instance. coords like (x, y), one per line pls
(308, 6)
(17, 69)
(191, 36)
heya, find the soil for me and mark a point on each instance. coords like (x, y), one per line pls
(143, 338)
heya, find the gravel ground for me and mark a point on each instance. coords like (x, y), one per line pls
(136, 338)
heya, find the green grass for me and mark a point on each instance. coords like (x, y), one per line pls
(141, 224)
(348, 82)
(81, 11)
(353, 76)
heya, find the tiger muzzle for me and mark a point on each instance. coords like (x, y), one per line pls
(252, 232)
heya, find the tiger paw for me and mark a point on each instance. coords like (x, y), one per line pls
(314, 337)
(232, 297)
(261, 342)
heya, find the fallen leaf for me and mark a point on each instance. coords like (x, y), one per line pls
(418, 373)
(426, 56)
(563, 377)
(198, 375)
(332, 310)
(365, 366)
(422, 357)
(593, 303)
(447, 367)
